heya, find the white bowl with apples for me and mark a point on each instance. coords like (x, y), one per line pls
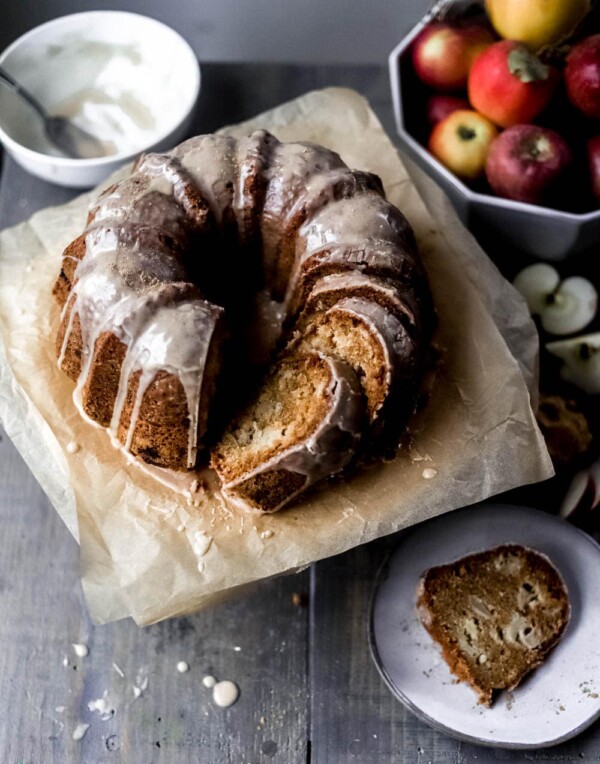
(477, 112)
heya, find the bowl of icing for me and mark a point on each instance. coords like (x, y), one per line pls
(127, 79)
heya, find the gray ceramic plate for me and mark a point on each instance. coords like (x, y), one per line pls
(554, 703)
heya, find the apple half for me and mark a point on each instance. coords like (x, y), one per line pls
(565, 306)
(583, 497)
(581, 361)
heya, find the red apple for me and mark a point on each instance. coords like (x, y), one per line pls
(441, 106)
(442, 54)
(526, 162)
(593, 148)
(509, 84)
(461, 143)
(582, 76)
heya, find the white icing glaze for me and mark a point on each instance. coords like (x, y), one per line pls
(387, 259)
(183, 667)
(225, 693)
(354, 221)
(103, 707)
(209, 681)
(292, 174)
(140, 294)
(340, 285)
(211, 162)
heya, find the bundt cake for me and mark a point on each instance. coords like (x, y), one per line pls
(158, 292)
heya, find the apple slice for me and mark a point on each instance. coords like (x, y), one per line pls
(581, 361)
(565, 306)
(583, 497)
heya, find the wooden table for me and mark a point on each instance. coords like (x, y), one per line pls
(309, 691)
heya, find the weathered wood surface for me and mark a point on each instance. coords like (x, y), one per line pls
(309, 691)
(259, 642)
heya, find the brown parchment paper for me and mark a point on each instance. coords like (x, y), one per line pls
(151, 553)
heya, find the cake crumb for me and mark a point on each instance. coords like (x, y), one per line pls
(80, 730)
(299, 599)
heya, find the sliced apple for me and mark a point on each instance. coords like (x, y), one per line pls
(565, 306)
(582, 496)
(581, 361)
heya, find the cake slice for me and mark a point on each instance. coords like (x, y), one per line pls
(304, 425)
(495, 614)
(376, 345)
(332, 289)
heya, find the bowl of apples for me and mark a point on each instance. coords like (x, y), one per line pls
(499, 102)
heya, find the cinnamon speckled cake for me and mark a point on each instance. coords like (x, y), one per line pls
(496, 615)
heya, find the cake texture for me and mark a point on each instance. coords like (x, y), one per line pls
(495, 614)
(305, 425)
(159, 292)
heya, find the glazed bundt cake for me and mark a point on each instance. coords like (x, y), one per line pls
(158, 292)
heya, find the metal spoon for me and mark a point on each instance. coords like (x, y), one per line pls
(71, 140)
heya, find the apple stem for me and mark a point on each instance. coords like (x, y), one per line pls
(526, 66)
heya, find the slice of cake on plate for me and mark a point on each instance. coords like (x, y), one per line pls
(496, 615)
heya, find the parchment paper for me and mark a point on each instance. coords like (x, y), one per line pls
(151, 553)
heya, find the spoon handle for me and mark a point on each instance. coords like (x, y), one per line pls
(12, 84)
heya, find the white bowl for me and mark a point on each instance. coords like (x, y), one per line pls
(144, 66)
(531, 230)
